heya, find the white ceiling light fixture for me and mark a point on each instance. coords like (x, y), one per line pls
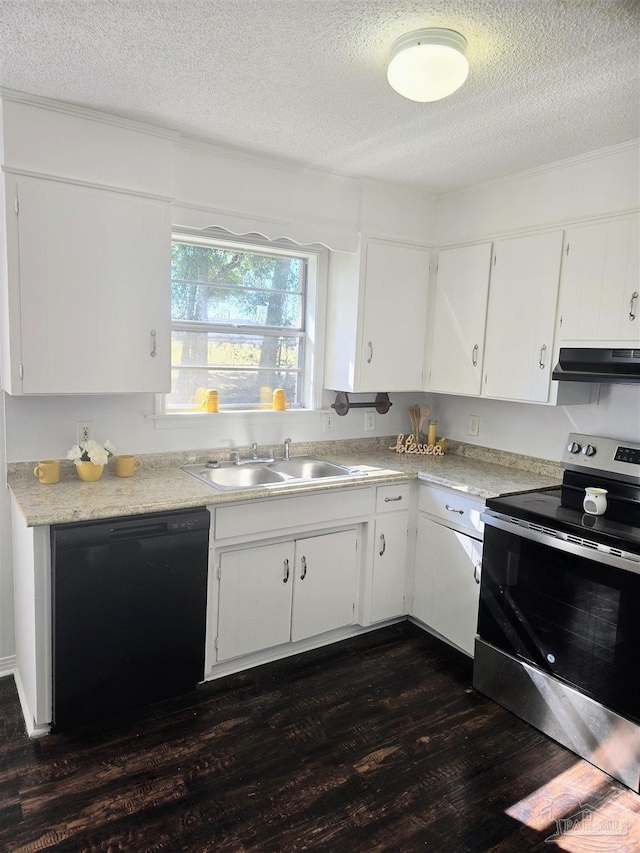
(427, 65)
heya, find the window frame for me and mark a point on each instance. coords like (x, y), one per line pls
(313, 326)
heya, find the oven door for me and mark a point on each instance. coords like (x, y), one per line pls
(567, 610)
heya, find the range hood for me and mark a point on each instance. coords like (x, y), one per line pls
(609, 366)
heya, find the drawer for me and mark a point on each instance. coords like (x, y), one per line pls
(278, 514)
(452, 508)
(393, 498)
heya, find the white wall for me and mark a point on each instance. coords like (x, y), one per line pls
(45, 428)
(539, 431)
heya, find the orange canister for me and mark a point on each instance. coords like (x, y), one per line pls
(279, 400)
(212, 402)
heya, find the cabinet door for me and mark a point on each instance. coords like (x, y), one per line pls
(395, 317)
(447, 582)
(599, 277)
(389, 564)
(255, 599)
(325, 584)
(457, 343)
(521, 317)
(94, 279)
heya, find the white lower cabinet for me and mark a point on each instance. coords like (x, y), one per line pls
(389, 567)
(271, 594)
(448, 565)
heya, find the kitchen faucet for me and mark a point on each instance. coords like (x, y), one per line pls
(235, 456)
(285, 451)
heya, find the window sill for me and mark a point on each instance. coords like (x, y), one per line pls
(191, 420)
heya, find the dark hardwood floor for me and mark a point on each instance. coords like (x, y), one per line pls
(375, 744)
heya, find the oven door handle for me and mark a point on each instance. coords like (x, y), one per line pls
(629, 563)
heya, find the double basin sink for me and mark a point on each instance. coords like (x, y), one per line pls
(229, 476)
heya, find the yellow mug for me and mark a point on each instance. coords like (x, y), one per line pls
(48, 471)
(126, 466)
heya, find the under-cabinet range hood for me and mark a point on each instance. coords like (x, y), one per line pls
(609, 366)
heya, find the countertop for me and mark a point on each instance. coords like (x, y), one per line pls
(161, 485)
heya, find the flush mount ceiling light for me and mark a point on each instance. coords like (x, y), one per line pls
(427, 65)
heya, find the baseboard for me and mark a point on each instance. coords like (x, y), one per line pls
(7, 665)
(33, 730)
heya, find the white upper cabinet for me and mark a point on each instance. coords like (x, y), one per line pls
(521, 316)
(599, 293)
(377, 316)
(457, 342)
(88, 289)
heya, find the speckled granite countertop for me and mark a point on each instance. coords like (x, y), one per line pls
(161, 485)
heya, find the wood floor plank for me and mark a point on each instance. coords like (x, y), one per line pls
(374, 744)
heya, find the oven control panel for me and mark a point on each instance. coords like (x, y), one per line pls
(627, 454)
(608, 456)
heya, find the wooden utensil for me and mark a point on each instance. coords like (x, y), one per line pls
(424, 414)
(414, 415)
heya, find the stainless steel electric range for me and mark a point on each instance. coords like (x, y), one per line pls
(559, 617)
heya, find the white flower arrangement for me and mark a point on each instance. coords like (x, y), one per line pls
(91, 451)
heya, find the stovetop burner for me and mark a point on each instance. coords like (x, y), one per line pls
(545, 509)
(587, 461)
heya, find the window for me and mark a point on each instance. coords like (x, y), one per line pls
(237, 324)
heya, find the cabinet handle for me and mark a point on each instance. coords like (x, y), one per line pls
(384, 544)
(543, 349)
(632, 312)
(370, 345)
(477, 571)
(474, 355)
(453, 509)
(303, 563)
(391, 500)
(286, 571)
(153, 343)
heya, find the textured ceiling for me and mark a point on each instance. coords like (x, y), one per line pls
(305, 80)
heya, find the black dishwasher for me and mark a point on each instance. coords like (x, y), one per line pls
(129, 600)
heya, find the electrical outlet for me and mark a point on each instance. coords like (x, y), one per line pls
(83, 431)
(369, 421)
(473, 427)
(328, 422)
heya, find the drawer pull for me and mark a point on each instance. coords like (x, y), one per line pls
(452, 509)
(384, 544)
(303, 562)
(153, 343)
(391, 500)
(477, 572)
(286, 571)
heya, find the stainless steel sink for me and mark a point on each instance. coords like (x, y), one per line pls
(227, 476)
(309, 468)
(230, 477)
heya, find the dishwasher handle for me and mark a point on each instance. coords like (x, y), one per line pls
(137, 531)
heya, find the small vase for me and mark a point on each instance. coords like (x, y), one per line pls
(89, 472)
